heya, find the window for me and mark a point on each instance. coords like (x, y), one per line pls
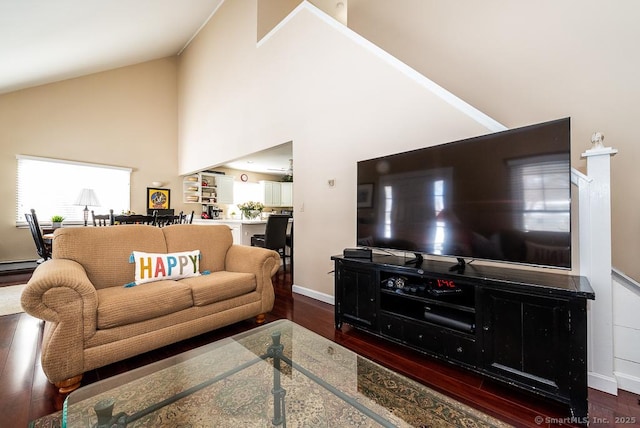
(439, 204)
(388, 210)
(52, 186)
(541, 184)
(243, 192)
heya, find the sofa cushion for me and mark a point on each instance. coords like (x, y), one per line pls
(156, 266)
(104, 251)
(219, 286)
(119, 306)
(213, 241)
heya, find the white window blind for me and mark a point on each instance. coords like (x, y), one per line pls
(543, 185)
(52, 186)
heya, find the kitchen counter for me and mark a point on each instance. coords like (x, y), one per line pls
(242, 230)
(225, 220)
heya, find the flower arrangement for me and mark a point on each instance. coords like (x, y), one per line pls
(251, 209)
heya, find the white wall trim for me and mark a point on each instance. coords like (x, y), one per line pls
(628, 382)
(602, 383)
(326, 298)
(577, 177)
(206, 21)
(628, 282)
(475, 114)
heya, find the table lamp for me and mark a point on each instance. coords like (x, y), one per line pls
(87, 197)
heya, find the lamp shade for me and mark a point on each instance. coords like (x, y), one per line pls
(87, 197)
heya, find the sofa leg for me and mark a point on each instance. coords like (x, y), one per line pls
(68, 385)
(260, 318)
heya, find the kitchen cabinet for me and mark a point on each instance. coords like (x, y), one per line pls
(277, 194)
(271, 193)
(286, 194)
(207, 189)
(236, 229)
(225, 189)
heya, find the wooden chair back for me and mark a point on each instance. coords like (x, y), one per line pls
(275, 236)
(44, 250)
(103, 219)
(186, 219)
(166, 220)
(135, 219)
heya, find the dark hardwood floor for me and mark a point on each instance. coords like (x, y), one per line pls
(25, 393)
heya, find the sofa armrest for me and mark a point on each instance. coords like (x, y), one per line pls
(261, 262)
(58, 291)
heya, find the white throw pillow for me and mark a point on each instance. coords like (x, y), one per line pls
(157, 266)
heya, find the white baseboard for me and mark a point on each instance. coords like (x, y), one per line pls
(628, 382)
(326, 298)
(602, 383)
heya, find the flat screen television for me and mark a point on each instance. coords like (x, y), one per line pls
(504, 197)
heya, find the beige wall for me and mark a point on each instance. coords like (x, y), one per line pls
(317, 87)
(527, 62)
(125, 117)
(518, 62)
(271, 12)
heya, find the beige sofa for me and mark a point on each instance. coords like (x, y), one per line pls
(93, 320)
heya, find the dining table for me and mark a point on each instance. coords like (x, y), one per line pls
(133, 219)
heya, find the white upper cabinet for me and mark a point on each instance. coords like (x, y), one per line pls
(277, 194)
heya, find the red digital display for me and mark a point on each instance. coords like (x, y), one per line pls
(445, 283)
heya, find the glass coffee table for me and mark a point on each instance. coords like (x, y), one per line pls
(278, 374)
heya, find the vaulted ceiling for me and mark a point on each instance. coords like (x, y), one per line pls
(47, 41)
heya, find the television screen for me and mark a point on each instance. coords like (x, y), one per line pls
(504, 196)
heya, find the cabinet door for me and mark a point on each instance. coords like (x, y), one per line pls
(276, 194)
(235, 230)
(356, 297)
(224, 184)
(271, 193)
(526, 338)
(286, 194)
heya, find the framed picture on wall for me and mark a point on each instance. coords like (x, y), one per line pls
(158, 199)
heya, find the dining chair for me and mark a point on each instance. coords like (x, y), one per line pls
(275, 236)
(289, 241)
(186, 219)
(103, 219)
(166, 220)
(43, 249)
(135, 219)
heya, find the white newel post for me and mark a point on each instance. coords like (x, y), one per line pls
(595, 263)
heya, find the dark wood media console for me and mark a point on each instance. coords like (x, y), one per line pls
(525, 328)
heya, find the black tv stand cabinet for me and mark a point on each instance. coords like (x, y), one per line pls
(525, 328)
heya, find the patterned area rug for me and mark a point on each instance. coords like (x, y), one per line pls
(10, 299)
(245, 399)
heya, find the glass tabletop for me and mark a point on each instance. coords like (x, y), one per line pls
(278, 374)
